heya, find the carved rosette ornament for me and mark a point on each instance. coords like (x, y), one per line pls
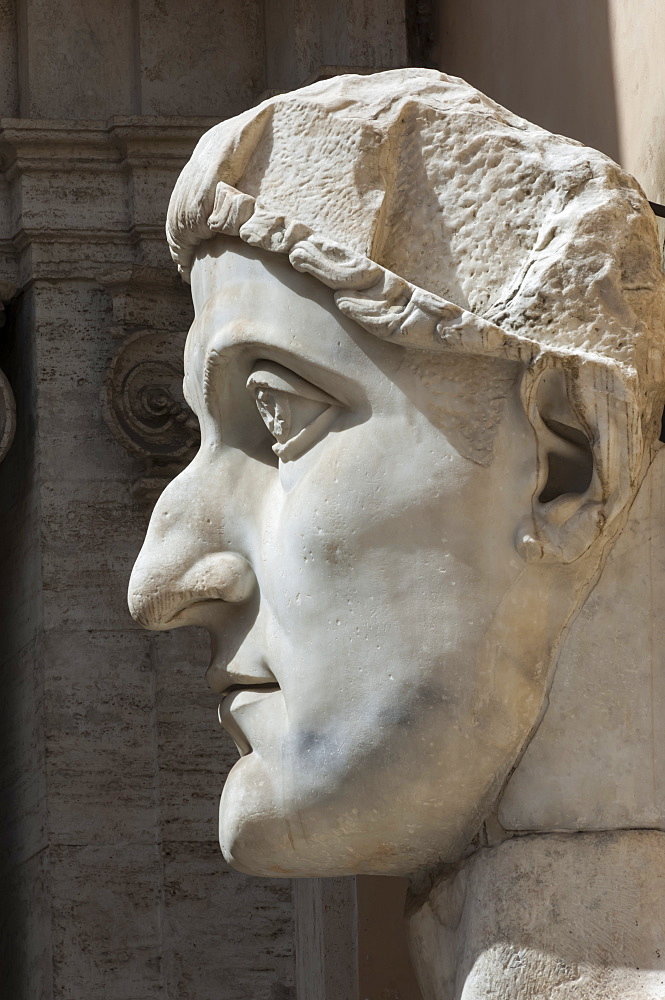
(146, 410)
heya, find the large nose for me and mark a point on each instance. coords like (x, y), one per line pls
(183, 564)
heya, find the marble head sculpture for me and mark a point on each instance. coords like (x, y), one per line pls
(427, 363)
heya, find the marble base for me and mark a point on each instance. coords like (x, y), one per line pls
(570, 916)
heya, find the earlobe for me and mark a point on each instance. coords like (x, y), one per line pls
(583, 446)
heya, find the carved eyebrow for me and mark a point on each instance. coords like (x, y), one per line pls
(297, 383)
(237, 340)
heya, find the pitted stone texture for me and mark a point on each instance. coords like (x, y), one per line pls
(428, 177)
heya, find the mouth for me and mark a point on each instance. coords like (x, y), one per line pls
(224, 675)
(240, 706)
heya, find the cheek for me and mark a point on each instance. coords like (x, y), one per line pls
(367, 523)
(367, 597)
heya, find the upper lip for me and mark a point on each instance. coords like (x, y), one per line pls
(245, 667)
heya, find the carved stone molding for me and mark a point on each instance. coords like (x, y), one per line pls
(146, 410)
(122, 172)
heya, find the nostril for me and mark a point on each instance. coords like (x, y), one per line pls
(156, 598)
(220, 576)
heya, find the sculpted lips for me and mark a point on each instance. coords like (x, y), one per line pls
(246, 670)
(245, 683)
(240, 707)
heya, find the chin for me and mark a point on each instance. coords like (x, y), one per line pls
(264, 831)
(261, 830)
(254, 835)
(262, 844)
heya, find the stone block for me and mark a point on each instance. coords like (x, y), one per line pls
(176, 66)
(23, 804)
(107, 942)
(79, 59)
(238, 923)
(91, 533)
(192, 770)
(26, 959)
(100, 732)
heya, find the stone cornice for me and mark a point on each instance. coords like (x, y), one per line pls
(70, 144)
(97, 189)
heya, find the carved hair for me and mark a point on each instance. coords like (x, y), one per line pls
(553, 242)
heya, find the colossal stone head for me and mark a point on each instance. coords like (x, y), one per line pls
(427, 364)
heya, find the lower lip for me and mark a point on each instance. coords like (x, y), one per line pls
(241, 703)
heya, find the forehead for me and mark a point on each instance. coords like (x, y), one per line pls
(254, 301)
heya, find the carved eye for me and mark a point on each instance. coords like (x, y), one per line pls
(296, 413)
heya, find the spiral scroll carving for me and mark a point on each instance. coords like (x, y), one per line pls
(145, 408)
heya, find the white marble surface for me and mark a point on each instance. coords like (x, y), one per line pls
(597, 761)
(427, 361)
(311, 572)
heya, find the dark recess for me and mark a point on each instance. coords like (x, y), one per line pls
(422, 33)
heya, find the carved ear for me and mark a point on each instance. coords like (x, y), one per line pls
(589, 449)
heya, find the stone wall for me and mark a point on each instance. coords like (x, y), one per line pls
(117, 760)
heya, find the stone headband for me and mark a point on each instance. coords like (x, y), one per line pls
(379, 300)
(606, 393)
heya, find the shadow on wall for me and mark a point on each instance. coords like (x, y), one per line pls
(384, 965)
(24, 928)
(548, 62)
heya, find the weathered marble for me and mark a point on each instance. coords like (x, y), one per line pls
(596, 762)
(427, 362)
(576, 917)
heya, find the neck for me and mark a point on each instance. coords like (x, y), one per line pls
(571, 916)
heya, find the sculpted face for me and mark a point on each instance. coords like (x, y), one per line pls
(349, 586)
(413, 456)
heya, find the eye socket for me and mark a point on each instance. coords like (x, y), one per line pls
(296, 413)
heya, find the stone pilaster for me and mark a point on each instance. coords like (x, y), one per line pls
(113, 884)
